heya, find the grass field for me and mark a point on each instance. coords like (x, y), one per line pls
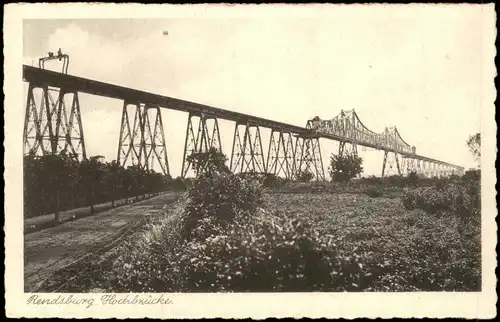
(368, 244)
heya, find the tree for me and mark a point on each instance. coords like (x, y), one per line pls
(305, 176)
(211, 161)
(90, 175)
(344, 167)
(474, 144)
(137, 181)
(56, 174)
(111, 180)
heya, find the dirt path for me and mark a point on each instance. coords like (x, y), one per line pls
(38, 223)
(49, 250)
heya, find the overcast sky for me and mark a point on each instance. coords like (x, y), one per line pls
(420, 70)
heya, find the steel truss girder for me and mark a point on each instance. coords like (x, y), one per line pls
(53, 125)
(142, 142)
(207, 136)
(390, 162)
(247, 154)
(308, 157)
(281, 154)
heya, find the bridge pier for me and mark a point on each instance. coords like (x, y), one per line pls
(281, 154)
(247, 154)
(346, 148)
(207, 137)
(308, 157)
(407, 165)
(388, 162)
(139, 143)
(52, 126)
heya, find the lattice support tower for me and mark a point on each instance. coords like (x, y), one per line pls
(389, 163)
(281, 155)
(53, 122)
(206, 137)
(247, 154)
(408, 165)
(308, 157)
(142, 138)
(346, 148)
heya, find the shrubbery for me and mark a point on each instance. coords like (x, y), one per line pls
(450, 198)
(266, 252)
(223, 241)
(344, 167)
(219, 239)
(373, 192)
(304, 176)
(220, 197)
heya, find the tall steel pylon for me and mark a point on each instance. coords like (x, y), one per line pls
(247, 154)
(207, 136)
(281, 154)
(142, 143)
(53, 121)
(390, 163)
(308, 157)
(348, 148)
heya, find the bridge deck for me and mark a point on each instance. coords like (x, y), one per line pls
(38, 76)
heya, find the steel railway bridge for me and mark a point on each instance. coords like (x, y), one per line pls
(54, 123)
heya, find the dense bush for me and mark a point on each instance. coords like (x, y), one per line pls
(273, 181)
(371, 180)
(344, 167)
(373, 192)
(267, 252)
(396, 180)
(225, 242)
(412, 178)
(435, 200)
(270, 180)
(178, 184)
(259, 253)
(304, 176)
(472, 175)
(220, 197)
(462, 202)
(210, 161)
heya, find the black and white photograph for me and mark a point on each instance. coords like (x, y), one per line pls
(347, 150)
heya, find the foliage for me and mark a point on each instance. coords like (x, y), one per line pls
(273, 181)
(474, 144)
(472, 175)
(220, 197)
(270, 180)
(53, 183)
(211, 161)
(301, 242)
(412, 178)
(371, 180)
(304, 176)
(226, 236)
(179, 184)
(266, 252)
(344, 167)
(462, 200)
(373, 191)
